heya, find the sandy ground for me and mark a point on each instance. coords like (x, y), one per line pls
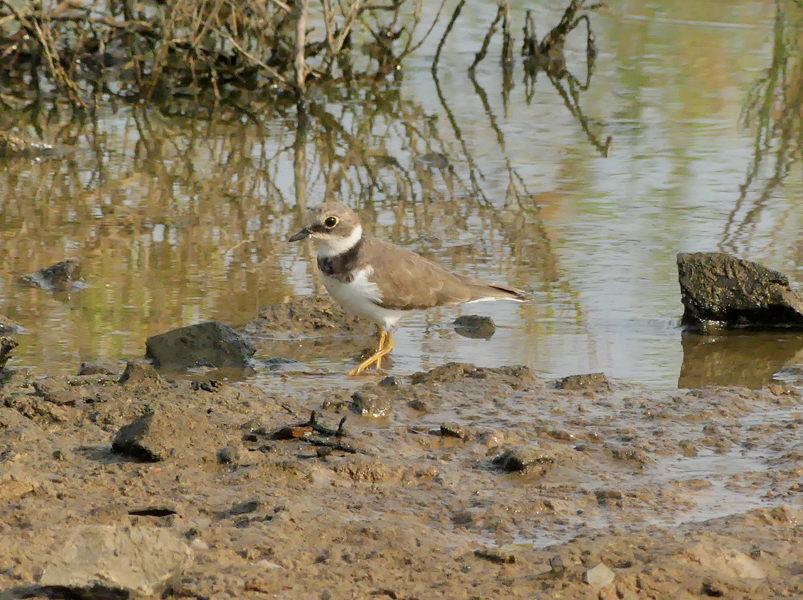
(461, 482)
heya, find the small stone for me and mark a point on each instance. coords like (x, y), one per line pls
(150, 438)
(140, 372)
(491, 439)
(590, 381)
(6, 346)
(371, 405)
(62, 277)
(475, 327)
(598, 577)
(7, 325)
(101, 562)
(248, 506)
(454, 430)
(495, 555)
(229, 455)
(390, 382)
(97, 368)
(518, 459)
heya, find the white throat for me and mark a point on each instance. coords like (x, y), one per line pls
(328, 246)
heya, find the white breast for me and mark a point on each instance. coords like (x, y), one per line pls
(359, 297)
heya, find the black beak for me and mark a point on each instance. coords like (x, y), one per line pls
(304, 233)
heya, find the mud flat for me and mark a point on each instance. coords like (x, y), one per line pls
(459, 482)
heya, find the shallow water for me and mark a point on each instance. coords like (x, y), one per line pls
(179, 215)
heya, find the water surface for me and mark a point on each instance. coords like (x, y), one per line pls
(180, 214)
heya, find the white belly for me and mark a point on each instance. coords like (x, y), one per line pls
(358, 297)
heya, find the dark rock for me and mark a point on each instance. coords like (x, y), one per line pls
(7, 325)
(724, 290)
(454, 430)
(6, 346)
(390, 382)
(103, 562)
(518, 459)
(495, 555)
(210, 385)
(62, 277)
(140, 372)
(249, 506)
(229, 455)
(153, 437)
(590, 381)
(371, 405)
(475, 327)
(97, 368)
(205, 344)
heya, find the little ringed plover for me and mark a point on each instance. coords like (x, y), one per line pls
(382, 281)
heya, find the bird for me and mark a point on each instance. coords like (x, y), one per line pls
(381, 281)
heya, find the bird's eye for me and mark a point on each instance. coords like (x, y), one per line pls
(330, 222)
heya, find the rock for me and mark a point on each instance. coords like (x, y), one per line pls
(475, 327)
(518, 459)
(371, 405)
(598, 577)
(719, 288)
(97, 368)
(495, 555)
(590, 381)
(64, 276)
(390, 382)
(229, 455)
(6, 346)
(102, 562)
(7, 325)
(455, 430)
(150, 438)
(140, 372)
(247, 506)
(205, 344)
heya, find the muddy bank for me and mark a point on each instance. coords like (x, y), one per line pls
(461, 482)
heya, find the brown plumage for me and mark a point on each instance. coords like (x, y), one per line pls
(382, 281)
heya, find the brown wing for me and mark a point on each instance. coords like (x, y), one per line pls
(407, 281)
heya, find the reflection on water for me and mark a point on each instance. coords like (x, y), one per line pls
(743, 358)
(581, 187)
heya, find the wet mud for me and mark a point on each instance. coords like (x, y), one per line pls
(458, 482)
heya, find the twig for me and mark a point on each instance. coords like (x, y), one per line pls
(455, 14)
(301, 40)
(491, 31)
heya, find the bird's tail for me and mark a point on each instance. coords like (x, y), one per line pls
(486, 292)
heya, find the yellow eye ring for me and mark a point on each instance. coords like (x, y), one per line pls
(330, 222)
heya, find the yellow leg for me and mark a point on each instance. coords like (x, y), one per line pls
(383, 349)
